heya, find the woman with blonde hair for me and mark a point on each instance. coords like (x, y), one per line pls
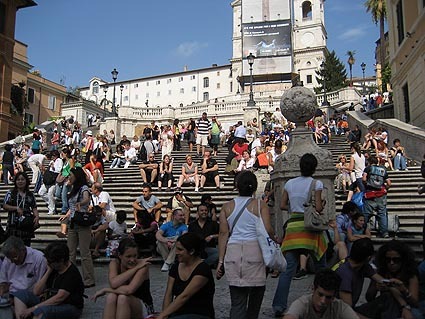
(189, 173)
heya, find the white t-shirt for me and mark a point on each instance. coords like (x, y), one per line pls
(118, 229)
(104, 197)
(297, 189)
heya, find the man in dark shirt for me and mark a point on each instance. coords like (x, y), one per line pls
(209, 171)
(149, 169)
(208, 230)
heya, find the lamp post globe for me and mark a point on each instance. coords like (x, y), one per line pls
(250, 59)
(114, 73)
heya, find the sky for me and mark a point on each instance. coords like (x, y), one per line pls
(70, 42)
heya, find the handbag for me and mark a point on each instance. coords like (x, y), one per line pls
(271, 251)
(84, 218)
(313, 221)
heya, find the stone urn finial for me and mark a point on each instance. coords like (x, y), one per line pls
(298, 105)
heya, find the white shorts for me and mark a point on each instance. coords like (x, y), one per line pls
(202, 140)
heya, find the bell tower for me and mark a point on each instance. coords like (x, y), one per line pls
(309, 39)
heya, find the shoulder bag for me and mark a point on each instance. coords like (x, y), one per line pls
(84, 218)
(313, 221)
(271, 251)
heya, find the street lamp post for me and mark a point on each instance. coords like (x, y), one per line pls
(114, 77)
(121, 89)
(251, 59)
(325, 98)
(105, 90)
(363, 66)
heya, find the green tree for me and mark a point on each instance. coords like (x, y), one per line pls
(351, 60)
(333, 72)
(378, 9)
(75, 90)
(386, 77)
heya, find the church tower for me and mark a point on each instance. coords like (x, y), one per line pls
(287, 37)
(309, 39)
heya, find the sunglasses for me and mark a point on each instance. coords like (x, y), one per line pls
(395, 260)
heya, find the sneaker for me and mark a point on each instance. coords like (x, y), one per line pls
(201, 189)
(165, 267)
(196, 189)
(386, 235)
(301, 274)
(421, 190)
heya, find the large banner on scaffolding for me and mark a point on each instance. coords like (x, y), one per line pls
(266, 33)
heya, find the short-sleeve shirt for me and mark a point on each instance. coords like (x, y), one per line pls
(147, 203)
(70, 281)
(352, 279)
(169, 230)
(343, 223)
(302, 308)
(104, 197)
(210, 228)
(117, 228)
(25, 276)
(201, 303)
(203, 126)
(297, 189)
(211, 162)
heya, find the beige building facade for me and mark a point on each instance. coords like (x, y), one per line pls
(406, 22)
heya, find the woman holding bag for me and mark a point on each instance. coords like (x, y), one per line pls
(297, 239)
(239, 250)
(79, 201)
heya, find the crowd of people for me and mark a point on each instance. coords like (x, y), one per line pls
(192, 248)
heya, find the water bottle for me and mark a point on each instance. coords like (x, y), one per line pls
(108, 252)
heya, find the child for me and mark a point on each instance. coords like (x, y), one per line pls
(118, 227)
(343, 179)
(357, 229)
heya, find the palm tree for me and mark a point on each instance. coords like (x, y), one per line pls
(351, 60)
(378, 9)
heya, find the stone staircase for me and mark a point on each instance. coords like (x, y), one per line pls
(124, 186)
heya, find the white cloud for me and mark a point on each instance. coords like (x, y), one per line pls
(187, 49)
(352, 34)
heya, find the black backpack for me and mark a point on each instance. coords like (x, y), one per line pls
(143, 153)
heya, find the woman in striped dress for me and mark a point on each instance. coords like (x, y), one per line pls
(297, 239)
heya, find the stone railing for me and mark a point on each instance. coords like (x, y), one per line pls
(340, 97)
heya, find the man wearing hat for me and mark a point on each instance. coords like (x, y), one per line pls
(178, 200)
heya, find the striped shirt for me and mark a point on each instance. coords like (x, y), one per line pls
(203, 126)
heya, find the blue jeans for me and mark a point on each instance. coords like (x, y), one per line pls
(51, 312)
(280, 300)
(62, 192)
(360, 184)
(117, 162)
(378, 204)
(400, 162)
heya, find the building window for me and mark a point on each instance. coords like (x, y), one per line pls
(136, 85)
(29, 118)
(168, 81)
(147, 83)
(206, 96)
(406, 102)
(147, 95)
(158, 82)
(231, 87)
(192, 77)
(206, 82)
(193, 88)
(169, 92)
(309, 78)
(158, 93)
(181, 91)
(307, 13)
(400, 21)
(31, 95)
(95, 89)
(181, 104)
(126, 98)
(2, 17)
(136, 97)
(218, 73)
(181, 79)
(52, 102)
(218, 85)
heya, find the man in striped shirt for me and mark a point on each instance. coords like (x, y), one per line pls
(202, 134)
